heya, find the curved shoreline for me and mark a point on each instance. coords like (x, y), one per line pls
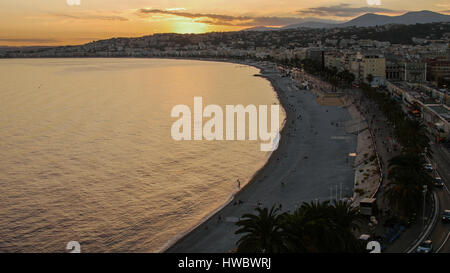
(180, 236)
(302, 169)
(194, 240)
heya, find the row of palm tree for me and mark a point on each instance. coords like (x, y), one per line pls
(336, 78)
(407, 174)
(332, 75)
(411, 133)
(316, 227)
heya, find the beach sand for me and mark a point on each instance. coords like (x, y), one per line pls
(311, 163)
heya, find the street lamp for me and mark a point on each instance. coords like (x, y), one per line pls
(424, 191)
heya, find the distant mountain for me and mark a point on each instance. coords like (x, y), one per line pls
(370, 20)
(421, 17)
(367, 20)
(410, 18)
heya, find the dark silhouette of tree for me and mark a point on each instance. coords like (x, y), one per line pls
(316, 227)
(262, 232)
(407, 177)
(369, 79)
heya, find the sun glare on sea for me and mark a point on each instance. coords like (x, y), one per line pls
(184, 27)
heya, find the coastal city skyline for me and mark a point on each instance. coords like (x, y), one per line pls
(65, 22)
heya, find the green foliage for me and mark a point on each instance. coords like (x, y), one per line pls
(411, 134)
(263, 232)
(407, 176)
(313, 228)
(406, 172)
(331, 75)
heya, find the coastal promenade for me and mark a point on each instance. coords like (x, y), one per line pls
(387, 148)
(312, 159)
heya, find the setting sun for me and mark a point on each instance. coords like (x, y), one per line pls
(187, 26)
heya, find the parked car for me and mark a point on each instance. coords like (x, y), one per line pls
(438, 182)
(425, 247)
(446, 216)
(428, 167)
(365, 238)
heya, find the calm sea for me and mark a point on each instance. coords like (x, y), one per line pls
(86, 152)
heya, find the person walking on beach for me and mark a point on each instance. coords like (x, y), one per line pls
(239, 184)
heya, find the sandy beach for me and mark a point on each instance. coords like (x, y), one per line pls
(311, 163)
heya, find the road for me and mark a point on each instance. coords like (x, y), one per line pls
(441, 233)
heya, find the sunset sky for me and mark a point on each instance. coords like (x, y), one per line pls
(55, 22)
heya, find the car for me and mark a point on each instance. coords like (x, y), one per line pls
(446, 216)
(428, 167)
(438, 182)
(425, 247)
(365, 238)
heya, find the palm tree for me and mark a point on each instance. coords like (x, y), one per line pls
(369, 79)
(262, 232)
(404, 198)
(316, 227)
(310, 229)
(321, 227)
(407, 176)
(409, 168)
(346, 216)
(346, 77)
(348, 220)
(414, 136)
